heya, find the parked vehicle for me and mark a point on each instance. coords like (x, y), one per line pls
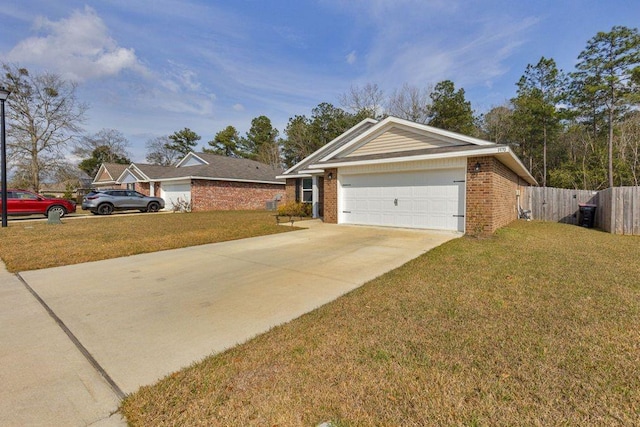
(104, 202)
(23, 202)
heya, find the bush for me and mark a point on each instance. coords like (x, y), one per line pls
(295, 209)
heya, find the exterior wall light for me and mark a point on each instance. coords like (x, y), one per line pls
(476, 168)
(330, 176)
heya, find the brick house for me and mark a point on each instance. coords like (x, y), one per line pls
(399, 173)
(205, 181)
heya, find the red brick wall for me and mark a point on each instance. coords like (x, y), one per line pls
(491, 196)
(143, 187)
(290, 192)
(227, 195)
(331, 196)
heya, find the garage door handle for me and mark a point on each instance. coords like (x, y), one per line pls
(458, 216)
(395, 202)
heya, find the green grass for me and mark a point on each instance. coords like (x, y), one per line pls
(28, 245)
(537, 325)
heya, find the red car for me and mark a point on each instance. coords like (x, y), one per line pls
(23, 202)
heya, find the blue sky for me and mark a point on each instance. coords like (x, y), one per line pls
(151, 67)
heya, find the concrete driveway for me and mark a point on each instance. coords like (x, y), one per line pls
(146, 316)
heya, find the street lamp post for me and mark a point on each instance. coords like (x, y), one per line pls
(4, 94)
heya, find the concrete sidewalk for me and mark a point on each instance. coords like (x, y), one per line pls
(146, 316)
(45, 379)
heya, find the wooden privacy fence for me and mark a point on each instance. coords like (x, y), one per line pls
(618, 208)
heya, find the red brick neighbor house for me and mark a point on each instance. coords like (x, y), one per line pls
(398, 173)
(203, 181)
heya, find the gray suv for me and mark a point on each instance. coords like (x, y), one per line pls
(103, 202)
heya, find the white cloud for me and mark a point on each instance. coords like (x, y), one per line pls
(79, 47)
(181, 78)
(351, 57)
(238, 107)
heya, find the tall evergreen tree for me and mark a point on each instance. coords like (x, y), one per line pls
(261, 142)
(225, 143)
(183, 141)
(450, 110)
(605, 71)
(539, 90)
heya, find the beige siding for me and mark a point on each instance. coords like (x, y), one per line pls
(397, 140)
(104, 176)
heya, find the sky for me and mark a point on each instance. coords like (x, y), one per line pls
(152, 67)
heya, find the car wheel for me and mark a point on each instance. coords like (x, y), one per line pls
(57, 208)
(153, 207)
(105, 209)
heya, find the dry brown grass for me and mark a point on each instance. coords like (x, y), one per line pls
(535, 326)
(28, 245)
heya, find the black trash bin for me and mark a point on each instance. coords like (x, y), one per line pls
(587, 215)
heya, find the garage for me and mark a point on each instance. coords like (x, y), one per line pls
(398, 173)
(430, 199)
(173, 191)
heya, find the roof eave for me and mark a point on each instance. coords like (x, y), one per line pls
(504, 153)
(329, 144)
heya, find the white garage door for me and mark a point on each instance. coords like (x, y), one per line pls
(171, 192)
(419, 199)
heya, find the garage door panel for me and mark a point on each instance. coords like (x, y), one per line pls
(172, 192)
(420, 199)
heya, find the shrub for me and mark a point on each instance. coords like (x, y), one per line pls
(181, 205)
(295, 209)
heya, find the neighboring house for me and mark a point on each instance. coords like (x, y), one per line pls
(205, 181)
(399, 173)
(108, 174)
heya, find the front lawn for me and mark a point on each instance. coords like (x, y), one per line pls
(535, 326)
(28, 245)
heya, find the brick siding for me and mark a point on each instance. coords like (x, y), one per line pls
(144, 188)
(330, 196)
(491, 196)
(290, 191)
(228, 195)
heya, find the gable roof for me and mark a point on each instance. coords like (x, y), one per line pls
(108, 173)
(394, 140)
(334, 144)
(206, 166)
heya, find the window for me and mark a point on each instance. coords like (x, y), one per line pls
(131, 186)
(307, 190)
(23, 195)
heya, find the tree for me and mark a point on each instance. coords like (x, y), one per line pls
(105, 146)
(261, 142)
(629, 146)
(44, 117)
(410, 103)
(159, 153)
(298, 143)
(539, 90)
(306, 135)
(366, 100)
(100, 155)
(498, 126)
(606, 69)
(329, 122)
(183, 141)
(225, 143)
(450, 110)
(113, 139)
